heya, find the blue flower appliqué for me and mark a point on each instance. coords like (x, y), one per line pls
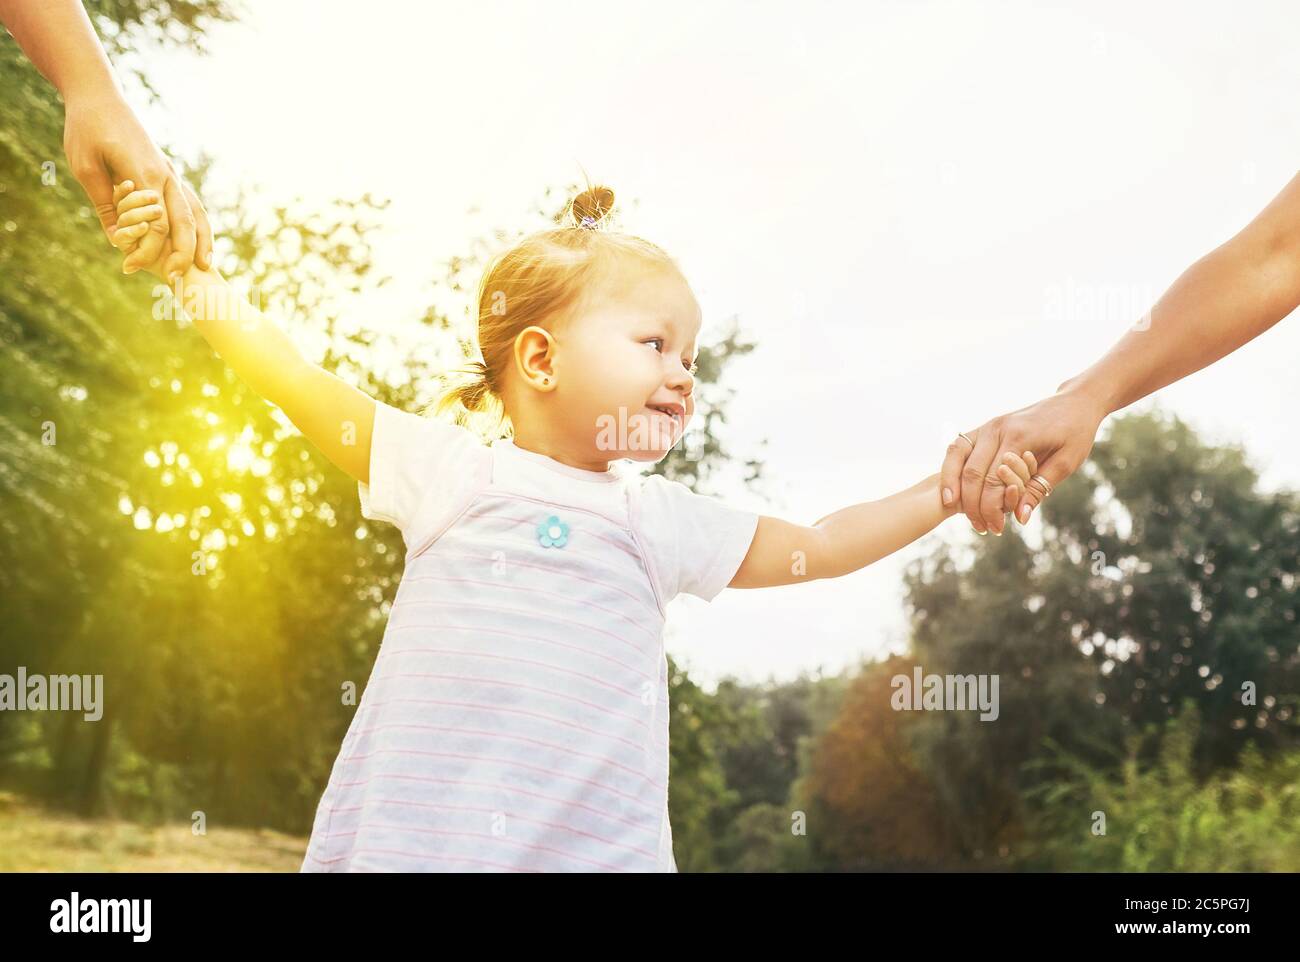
(552, 532)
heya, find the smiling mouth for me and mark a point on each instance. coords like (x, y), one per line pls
(671, 415)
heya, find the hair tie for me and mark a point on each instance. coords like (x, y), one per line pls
(588, 221)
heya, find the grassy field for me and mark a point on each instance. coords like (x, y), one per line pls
(33, 839)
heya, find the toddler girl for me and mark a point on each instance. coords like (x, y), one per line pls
(517, 714)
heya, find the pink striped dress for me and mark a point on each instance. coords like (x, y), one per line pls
(516, 718)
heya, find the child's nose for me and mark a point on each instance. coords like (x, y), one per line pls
(680, 377)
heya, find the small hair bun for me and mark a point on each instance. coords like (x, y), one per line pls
(591, 207)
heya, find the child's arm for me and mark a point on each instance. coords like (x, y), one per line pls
(784, 553)
(332, 414)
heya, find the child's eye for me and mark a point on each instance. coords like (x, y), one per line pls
(693, 369)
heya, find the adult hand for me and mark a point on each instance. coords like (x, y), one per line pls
(105, 142)
(1059, 430)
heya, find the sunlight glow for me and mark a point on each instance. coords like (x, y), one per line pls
(239, 457)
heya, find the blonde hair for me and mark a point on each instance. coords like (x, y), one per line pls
(541, 280)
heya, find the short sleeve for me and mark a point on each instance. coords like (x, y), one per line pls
(423, 471)
(697, 542)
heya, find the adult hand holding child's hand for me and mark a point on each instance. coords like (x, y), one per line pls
(136, 214)
(1012, 478)
(103, 135)
(1061, 428)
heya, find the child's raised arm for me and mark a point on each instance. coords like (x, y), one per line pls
(335, 416)
(784, 553)
(332, 414)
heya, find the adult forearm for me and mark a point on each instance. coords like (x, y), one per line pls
(57, 36)
(1228, 297)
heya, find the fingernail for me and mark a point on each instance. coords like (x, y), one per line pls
(947, 496)
(978, 531)
(173, 277)
(1024, 513)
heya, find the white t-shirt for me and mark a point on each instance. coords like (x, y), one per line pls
(517, 714)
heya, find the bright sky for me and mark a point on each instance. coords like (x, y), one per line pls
(926, 213)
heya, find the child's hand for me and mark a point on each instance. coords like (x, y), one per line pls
(136, 211)
(1015, 472)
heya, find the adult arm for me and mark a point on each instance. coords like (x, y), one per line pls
(102, 137)
(1228, 297)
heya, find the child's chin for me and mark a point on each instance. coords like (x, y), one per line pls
(647, 455)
